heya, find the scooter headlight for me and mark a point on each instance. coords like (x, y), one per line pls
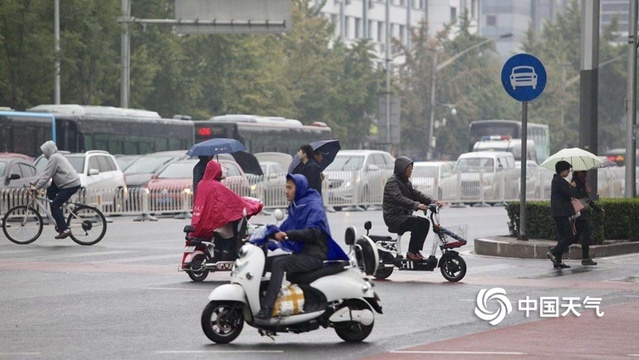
(243, 251)
(365, 288)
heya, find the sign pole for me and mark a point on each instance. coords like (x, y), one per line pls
(524, 79)
(524, 156)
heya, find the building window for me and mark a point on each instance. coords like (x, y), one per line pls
(491, 20)
(370, 29)
(401, 34)
(358, 24)
(380, 32)
(453, 13)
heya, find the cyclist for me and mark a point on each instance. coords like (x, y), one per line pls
(65, 182)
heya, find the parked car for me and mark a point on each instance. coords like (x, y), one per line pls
(358, 176)
(488, 176)
(435, 178)
(173, 183)
(533, 185)
(16, 172)
(270, 187)
(281, 158)
(125, 160)
(101, 179)
(139, 172)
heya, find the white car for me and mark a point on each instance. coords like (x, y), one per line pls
(435, 178)
(101, 179)
(357, 177)
(487, 176)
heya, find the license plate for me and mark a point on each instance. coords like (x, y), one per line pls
(189, 248)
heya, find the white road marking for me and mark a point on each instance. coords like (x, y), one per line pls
(221, 352)
(20, 354)
(433, 352)
(140, 259)
(175, 289)
(65, 256)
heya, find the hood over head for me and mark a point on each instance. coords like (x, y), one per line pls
(401, 164)
(49, 148)
(213, 171)
(301, 185)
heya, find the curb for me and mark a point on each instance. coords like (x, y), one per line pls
(537, 249)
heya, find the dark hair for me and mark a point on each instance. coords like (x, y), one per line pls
(308, 150)
(561, 166)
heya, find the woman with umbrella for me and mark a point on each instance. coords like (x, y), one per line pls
(582, 225)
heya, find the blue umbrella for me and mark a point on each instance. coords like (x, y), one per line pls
(215, 146)
(328, 148)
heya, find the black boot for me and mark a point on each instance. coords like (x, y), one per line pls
(265, 313)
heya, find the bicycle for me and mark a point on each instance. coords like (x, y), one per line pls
(23, 224)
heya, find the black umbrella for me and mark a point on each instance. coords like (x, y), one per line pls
(328, 148)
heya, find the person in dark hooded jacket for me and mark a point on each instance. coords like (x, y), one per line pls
(400, 200)
(307, 228)
(562, 211)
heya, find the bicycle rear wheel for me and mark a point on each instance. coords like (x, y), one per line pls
(22, 225)
(87, 225)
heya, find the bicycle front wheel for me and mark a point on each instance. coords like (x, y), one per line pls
(22, 225)
(87, 225)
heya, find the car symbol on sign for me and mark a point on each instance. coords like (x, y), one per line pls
(523, 76)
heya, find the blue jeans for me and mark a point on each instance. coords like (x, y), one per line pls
(59, 197)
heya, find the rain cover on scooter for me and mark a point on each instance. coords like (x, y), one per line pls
(216, 205)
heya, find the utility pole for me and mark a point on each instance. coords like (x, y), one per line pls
(388, 76)
(125, 54)
(631, 105)
(56, 31)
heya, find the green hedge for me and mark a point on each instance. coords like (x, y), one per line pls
(621, 221)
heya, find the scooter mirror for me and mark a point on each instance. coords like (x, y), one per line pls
(279, 214)
(368, 225)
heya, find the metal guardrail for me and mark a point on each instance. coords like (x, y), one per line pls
(350, 191)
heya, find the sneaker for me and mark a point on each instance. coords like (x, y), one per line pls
(265, 313)
(561, 265)
(588, 262)
(414, 257)
(64, 234)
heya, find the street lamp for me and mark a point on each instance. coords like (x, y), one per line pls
(437, 67)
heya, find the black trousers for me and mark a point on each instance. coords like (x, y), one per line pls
(418, 227)
(583, 234)
(278, 265)
(565, 238)
(58, 197)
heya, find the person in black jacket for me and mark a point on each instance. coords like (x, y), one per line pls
(562, 211)
(400, 200)
(309, 168)
(581, 223)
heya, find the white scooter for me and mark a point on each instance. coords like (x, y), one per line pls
(337, 295)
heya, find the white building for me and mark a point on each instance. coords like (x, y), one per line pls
(357, 19)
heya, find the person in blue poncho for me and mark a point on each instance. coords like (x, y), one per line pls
(306, 228)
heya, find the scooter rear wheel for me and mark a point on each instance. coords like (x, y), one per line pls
(222, 321)
(453, 268)
(197, 262)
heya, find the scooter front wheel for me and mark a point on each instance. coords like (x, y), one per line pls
(453, 268)
(383, 272)
(197, 263)
(222, 321)
(352, 331)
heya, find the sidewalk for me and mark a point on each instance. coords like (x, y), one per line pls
(536, 249)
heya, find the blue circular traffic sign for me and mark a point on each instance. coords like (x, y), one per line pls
(523, 77)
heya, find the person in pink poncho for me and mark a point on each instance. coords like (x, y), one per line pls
(217, 207)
